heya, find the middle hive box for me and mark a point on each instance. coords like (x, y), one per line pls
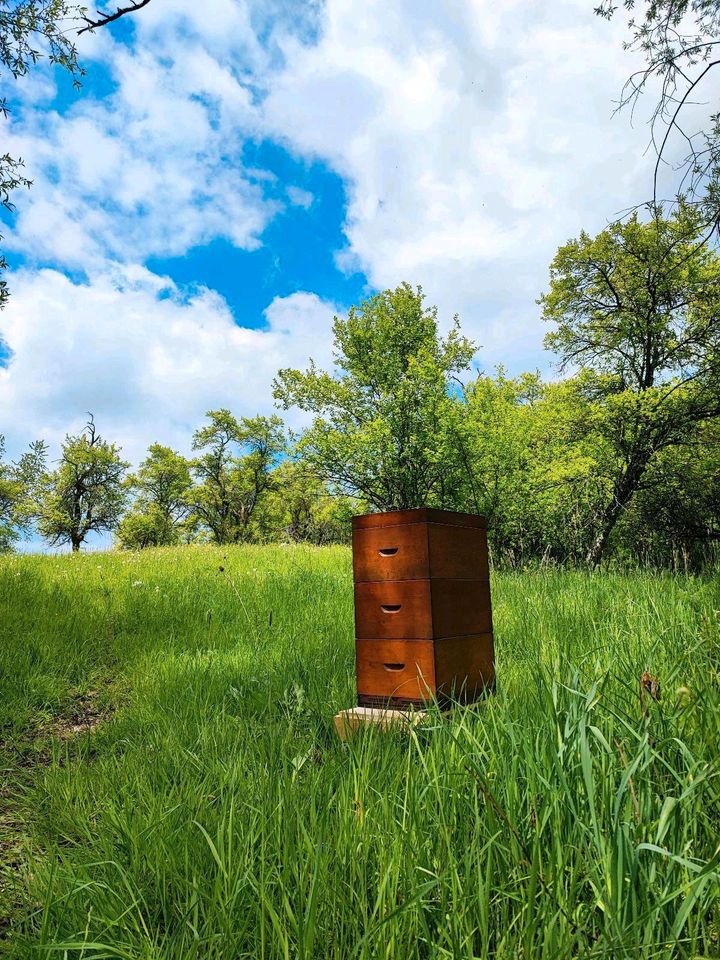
(423, 622)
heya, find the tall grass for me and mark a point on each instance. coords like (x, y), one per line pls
(214, 814)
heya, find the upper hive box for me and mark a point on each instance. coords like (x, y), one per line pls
(423, 544)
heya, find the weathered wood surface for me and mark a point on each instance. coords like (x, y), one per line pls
(348, 722)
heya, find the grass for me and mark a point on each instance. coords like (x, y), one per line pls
(174, 788)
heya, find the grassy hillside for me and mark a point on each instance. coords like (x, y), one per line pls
(173, 786)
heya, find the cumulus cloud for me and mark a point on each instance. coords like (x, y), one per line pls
(154, 168)
(474, 138)
(145, 359)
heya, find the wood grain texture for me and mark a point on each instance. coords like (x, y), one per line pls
(422, 609)
(394, 668)
(416, 551)
(398, 552)
(421, 515)
(401, 673)
(464, 667)
(457, 552)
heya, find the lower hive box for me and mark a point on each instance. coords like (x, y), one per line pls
(415, 672)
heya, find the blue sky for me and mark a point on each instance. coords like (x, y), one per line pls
(229, 178)
(299, 246)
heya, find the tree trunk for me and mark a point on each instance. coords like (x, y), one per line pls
(595, 553)
(624, 489)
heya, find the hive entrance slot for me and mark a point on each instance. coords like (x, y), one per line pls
(390, 607)
(394, 666)
(388, 551)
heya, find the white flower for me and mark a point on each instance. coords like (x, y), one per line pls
(137, 583)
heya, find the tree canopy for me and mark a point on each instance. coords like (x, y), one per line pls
(86, 493)
(635, 308)
(379, 428)
(678, 39)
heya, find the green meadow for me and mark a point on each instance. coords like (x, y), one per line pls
(173, 786)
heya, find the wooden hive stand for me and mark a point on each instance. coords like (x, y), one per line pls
(423, 620)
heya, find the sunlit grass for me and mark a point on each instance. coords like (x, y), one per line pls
(213, 812)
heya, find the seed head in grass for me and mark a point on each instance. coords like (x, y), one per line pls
(649, 685)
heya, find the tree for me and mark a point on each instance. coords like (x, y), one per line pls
(679, 42)
(29, 31)
(674, 519)
(301, 509)
(637, 308)
(103, 19)
(381, 422)
(157, 516)
(86, 493)
(492, 442)
(18, 483)
(234, 472)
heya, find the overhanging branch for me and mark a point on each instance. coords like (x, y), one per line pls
(105, 18)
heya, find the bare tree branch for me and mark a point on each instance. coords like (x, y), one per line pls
(105, 18)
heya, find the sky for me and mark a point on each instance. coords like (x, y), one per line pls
(232, 174)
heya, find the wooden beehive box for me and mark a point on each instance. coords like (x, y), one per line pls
(423, 623)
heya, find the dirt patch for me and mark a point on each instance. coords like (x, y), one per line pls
(85, 714)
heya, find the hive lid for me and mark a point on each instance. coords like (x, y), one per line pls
(420, 515)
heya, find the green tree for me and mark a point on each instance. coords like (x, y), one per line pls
(18, 485)
(674, 519)
(158, 514)
(636, 308)
(493, 447)
(234, 472)
(31, 30)
(300, 508)
(381, 429)
(86, 494)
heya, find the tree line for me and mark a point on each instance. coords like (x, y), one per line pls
(619, 459)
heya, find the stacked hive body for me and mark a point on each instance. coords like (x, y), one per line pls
(423, 623)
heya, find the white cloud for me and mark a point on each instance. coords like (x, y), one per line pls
(475, 138)
(299, 197)
(146, 361)
(152, 169)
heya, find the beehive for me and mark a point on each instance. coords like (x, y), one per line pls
(423, 622)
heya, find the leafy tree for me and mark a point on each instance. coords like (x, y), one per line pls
(18, 484)
(10, 498)
(493, 445)
(86, 493)
(674, 519)
(234, 473)
(29, 31)
(636, 307)
(157, 516)
(382, 422)
(301, 509)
